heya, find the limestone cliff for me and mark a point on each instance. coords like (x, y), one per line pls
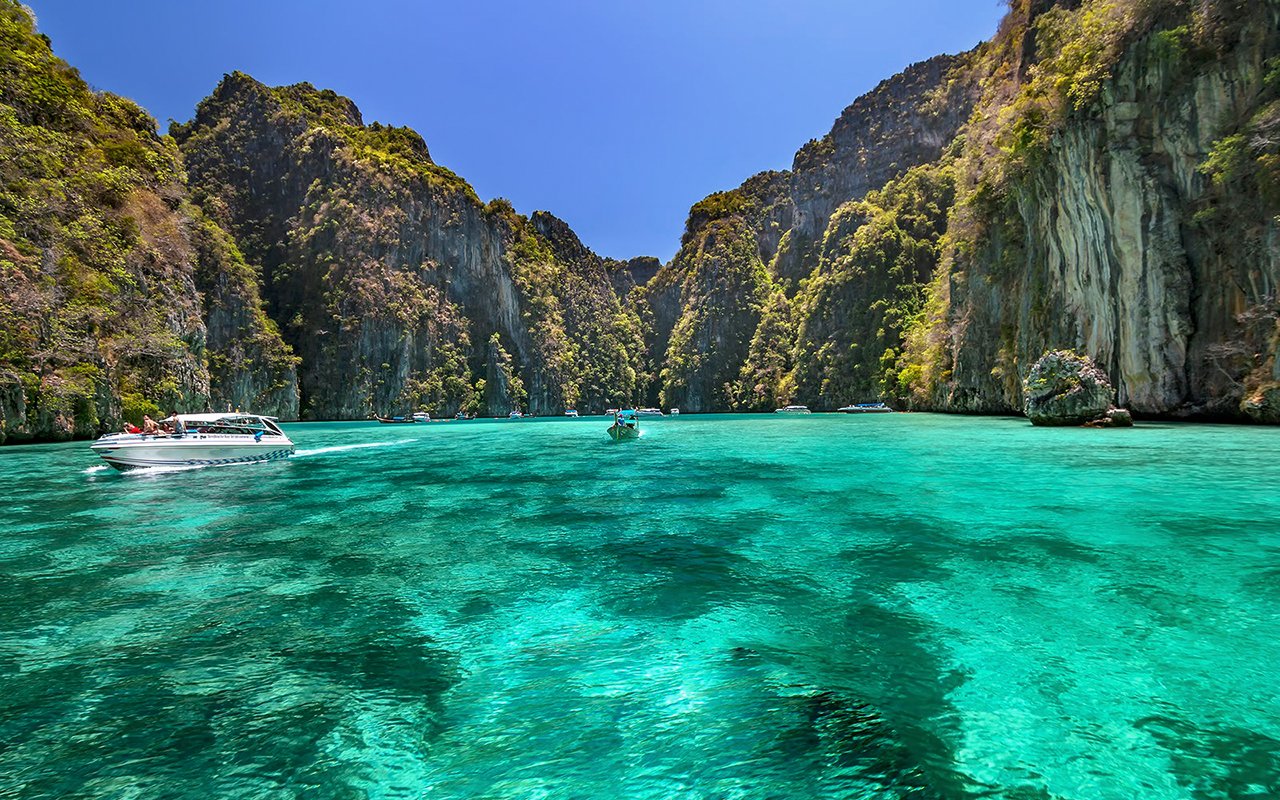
(102, 260)
(782, 220)
(1103, 176)
(387, 274)
(1124, 204)
(1112, 189)
(906, 121)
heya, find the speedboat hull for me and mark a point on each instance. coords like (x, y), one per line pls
(793, 410)
(138, 451)
(866, 408)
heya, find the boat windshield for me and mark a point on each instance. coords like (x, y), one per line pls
(229, 424)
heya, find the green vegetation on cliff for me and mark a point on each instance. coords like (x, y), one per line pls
(389, 277)
(100, 317)
(878, 257)
(1102, 176)
(1116, 193)
(724, 292)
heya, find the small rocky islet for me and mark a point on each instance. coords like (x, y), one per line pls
(1098, 177)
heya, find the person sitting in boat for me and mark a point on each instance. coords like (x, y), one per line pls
(129, 427)
(150, 426)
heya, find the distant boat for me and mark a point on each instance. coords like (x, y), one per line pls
(866, 408)
(793, 410)
(421, 416)
(573, 412)
(626, 426)
(515, 415)
(675, 412)
(395, 420)
(649, 412)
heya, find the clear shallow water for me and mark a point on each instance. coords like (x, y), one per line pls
(732, 607)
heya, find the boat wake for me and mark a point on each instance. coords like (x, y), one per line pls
(142, 472)
(342, 448)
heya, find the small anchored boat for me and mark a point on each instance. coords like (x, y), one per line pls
(865, 408)
(793, 410)
(198, 440)
(395, 420)
(647, 413)
(626, 426)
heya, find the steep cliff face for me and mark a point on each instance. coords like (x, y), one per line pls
(1124, 206)
(100, 253)
(784, 218)
(387, 274)
(722, 296)
(878, 257)
(701, 309)
(250, 366)
(906, 121)
(627, 275)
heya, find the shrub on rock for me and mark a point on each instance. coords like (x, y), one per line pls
(1067, 388)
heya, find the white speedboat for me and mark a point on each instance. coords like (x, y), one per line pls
(675, 412)
(198, 440)
(421, 416)
(515, 415)
(649, 412)
(573, 412)
(793, 410)
(865, 408)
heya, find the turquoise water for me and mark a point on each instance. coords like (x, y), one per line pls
(731, 607)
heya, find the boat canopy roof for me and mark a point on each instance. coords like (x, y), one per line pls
(231, 418)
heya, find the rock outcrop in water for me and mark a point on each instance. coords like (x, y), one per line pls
(1066, 388)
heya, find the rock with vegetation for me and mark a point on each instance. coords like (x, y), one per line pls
(103, 259)
(907, 120)
(389, 277)
(1117, 193)
(797, 226)
(1102, 174)
(723, 295)
(878, 259)
(1113, 189)
(1066, 388)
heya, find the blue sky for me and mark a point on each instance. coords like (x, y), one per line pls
(615, 115)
